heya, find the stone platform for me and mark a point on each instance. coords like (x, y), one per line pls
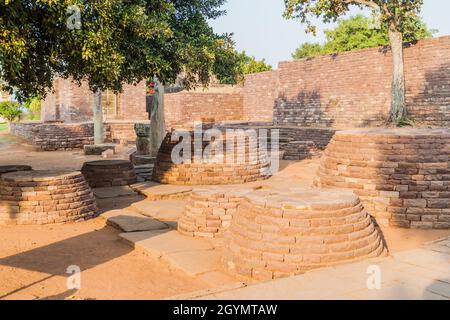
(209, 211)
(246, 163)
(45, 197)
(14, 168)
(109, 173)
(401, 175)
(276, 234)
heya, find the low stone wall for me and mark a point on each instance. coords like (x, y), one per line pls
(277, 234)
(402, 175)
(45, 197)
(69, 136)
(295, 143)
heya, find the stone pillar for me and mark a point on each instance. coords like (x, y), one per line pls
(157, 124)
(143, 144)
(98, 118)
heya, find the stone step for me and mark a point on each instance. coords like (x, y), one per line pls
(156, 191)
(164, 210)
(130, 221)
(195, 257)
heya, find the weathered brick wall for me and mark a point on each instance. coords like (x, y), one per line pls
(68, 136)
(353, 88)
(71, 103)
(133, 102)
(68, 102)
(260, 93)
(186, 107)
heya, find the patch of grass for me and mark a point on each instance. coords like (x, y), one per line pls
(3, 127)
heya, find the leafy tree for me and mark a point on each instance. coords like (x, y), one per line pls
(307, 50)
(251, 65)
(360, 32)
(33, 105)
(110, 42)
(10, 110)
(394, 15)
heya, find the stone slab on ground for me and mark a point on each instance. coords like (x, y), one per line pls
(156, 191)
(164, 210)
(98, 149)
(195, 257)
(130, 221)
(421, 274)
(113, 192)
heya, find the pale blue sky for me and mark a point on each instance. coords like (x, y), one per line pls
(261, 31)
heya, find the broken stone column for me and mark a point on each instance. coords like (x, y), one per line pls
(142, 156)
(143, 144)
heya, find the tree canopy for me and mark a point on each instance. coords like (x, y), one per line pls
(111, 42)
(360, 32)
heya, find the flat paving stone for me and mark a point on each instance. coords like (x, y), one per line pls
(420, 274)
(162, 242)
(129, 221)
(156, 191)
(164, 210)
(194, 263)
(195, 257)
(113, 192)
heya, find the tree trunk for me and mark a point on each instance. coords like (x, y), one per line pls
(157, 122)
(98, 118)
(398, 104)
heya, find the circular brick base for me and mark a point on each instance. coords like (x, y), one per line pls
(109, 173)
(401, 175)
(276, 234)
(45, 197)
(228, 169)
(209, 211)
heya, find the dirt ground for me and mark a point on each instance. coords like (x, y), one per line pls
(34, 259)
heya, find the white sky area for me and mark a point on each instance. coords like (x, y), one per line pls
(260, 29)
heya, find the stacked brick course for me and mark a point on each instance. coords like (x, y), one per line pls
(402, 175)
(353, 89)
(109, 173)
(276, 234)
(209, 211)
(260, 93)
(44, 197)
(70, 136)
(216, 170)
(186, 107)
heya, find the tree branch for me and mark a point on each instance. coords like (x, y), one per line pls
(367, 3)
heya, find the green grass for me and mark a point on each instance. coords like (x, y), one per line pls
(3, 127)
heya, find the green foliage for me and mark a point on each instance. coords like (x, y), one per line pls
(117, 42)
(3, 127)
(251, 65)
(33, 106)
(308, 50)
(10, 110)
(394, 14)
(359, 32)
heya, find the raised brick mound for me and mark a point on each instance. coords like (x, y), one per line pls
(248, 164)
(45, 197)
(109, 173)
(209, 211)
(14, 168)
(401, 175)
(276, 234)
